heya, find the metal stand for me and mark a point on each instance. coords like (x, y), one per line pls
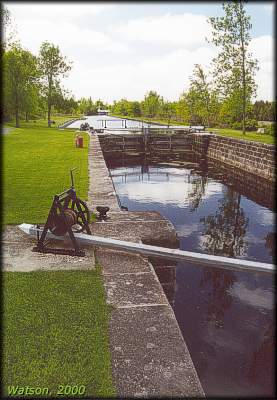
(66, 214)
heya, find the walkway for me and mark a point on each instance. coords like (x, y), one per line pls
(149, 354)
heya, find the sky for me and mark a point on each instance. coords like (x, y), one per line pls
(124, 49)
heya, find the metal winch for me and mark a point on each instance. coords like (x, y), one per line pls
(68, 215)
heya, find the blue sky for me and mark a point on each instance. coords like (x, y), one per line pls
(122, 50)
(260, 12)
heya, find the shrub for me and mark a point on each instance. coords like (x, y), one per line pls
(250, 125)
(237, 126)
(84, 127)
(270, 129)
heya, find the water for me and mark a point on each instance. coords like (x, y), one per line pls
(107, 121)
(226, 317)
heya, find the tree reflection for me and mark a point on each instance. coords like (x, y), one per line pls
(223, 235)
(270, 243)
(219, 298)
(198, 190)
(260, 367)
(225, 230)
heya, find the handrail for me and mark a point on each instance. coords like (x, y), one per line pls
(162, 252)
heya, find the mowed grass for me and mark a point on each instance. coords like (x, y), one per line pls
(36, 164)
(255, 137)
(55, 328)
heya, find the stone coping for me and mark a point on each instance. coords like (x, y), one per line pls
(149, 355)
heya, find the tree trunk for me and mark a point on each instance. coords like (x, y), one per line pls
(243, 76)
(235, 232)
(49, 102)
(16, 111)
(244, 98)
(49, 114)
(16, 117)
(26, 116)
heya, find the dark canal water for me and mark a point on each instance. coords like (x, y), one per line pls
(226, 317)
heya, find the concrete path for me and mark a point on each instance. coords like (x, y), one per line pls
(149, 355)
(17, 254)
(7, 130)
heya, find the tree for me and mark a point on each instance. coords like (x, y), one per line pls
(31, 104)
(53, 66)
(182, 109)
(9, 31)
(136, 109)
(168, 111)
(234, 66)
(152, 104)
(198, 96)
(20, 80)
(264, 110)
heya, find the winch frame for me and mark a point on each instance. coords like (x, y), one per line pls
(60, 204)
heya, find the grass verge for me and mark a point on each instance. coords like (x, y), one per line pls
(255, 137)
(55, 331)
(36, 164)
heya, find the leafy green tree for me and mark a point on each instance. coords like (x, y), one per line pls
(53, 66)
(121, 107)
(82, 106)
(152, 104)
(136, 109)
(168, 111)
(264, 110)
(234, 67)
(92, 108)
(31, 104)
(20, 80)
(198, 96)
(182, 109)
(70, 105)
(101, 105)
(9, 32)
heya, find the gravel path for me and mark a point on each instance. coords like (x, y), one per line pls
(7, 130)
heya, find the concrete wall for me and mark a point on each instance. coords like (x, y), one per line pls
(253, 157)
(256, 158)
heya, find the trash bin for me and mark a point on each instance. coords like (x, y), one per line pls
(79, 141)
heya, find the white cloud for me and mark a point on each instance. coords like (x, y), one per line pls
(55, 11)
(256, 297)
(167, 74)
(186, 30)
(269, 7)
(176, 191)
(186, 230)
(266, 217)
(115, 59)
(262, 49)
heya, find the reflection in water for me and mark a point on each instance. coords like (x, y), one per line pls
(197, 192)
(218, 296)
(270, 242)
(225, 230)
(259, 366)
(226, 317)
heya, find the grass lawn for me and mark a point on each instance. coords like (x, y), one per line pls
(59, 119)
(256, 137)
(36, 164)
(55, 328)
